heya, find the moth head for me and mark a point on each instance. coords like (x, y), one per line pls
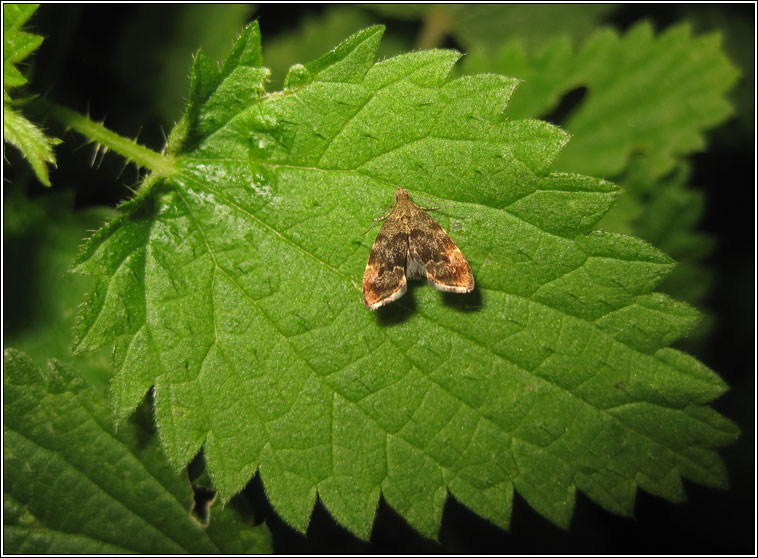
(401, 193)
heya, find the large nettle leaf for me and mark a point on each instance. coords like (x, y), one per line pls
(233, 288)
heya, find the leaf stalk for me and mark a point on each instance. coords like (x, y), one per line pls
(160, 164)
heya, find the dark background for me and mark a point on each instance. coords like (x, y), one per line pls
(73, 67)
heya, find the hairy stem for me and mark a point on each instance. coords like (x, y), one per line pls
(160, 164)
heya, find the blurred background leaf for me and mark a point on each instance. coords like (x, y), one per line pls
(41, 239)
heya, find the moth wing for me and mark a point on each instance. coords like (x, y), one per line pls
(384, 279)
(446, 266)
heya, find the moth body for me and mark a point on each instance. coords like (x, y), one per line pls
(411, 245)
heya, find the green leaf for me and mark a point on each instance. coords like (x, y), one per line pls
(118, 490)
(666, 212)
(18, 131)
(221, 91)
(670, 222)
(233, 288)
(646, 93)
(17, 44)
(737, 31)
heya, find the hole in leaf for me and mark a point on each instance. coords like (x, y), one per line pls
(203, 493)
(204, 498)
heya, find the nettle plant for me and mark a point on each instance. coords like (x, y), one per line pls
(229, 288)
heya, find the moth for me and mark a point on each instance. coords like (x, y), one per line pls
(411, 245)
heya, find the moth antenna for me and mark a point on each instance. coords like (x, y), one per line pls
(374, 221)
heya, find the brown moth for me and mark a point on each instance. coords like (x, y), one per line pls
(410, 245)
